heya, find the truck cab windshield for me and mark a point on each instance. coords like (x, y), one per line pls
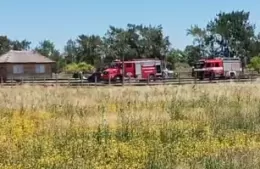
(199, 65)
(115, 65)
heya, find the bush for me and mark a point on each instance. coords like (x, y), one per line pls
(82, 66)
(255, 63)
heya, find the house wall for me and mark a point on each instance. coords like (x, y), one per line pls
(29, 71)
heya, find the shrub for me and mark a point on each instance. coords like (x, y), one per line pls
(82, 66)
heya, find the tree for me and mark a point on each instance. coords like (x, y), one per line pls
(23, 45)
(4, 44)
(228, 34)
(47, 48)
(232, 32)
(255, 63)
(192, 54)
(71, 51)
(255, 46)
(138, 41)
(88, 49)
(176, 56)
(200, 37)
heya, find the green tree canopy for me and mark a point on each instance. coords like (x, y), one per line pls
(5, 44)
(82, 66)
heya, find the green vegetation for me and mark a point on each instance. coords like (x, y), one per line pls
(228, 34)
(80, 67)
(255, 63)
(211, 126)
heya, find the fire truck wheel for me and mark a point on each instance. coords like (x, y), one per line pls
(151, 77)
(232, 75)
(118, 79)
(212, 75)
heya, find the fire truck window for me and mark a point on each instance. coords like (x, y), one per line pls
(158, 69)
(128, 65)
(148, 63)
(120, 65)
(208, 65)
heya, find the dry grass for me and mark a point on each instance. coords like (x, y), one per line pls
(211, 126)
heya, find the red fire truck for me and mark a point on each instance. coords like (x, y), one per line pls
(140, 69)
(217, 68)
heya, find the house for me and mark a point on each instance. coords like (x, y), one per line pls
(24, 65)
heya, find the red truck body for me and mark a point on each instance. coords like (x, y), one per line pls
(217, 68)
(139, 69)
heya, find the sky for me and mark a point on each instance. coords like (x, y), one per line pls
(60, 20)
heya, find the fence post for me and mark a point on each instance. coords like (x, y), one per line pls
(109, 80)
(129, 79)
(195, 77)
(251, 76)
(179, 78)
(95, 79)
(148, 79)
(56, 79)
(12, 81)
(81, 81)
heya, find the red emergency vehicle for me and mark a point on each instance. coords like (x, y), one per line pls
(138, 68)
(217, 68)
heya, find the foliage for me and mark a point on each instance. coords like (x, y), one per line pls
(71, 51)
(228, 34)
(82, 66)
(4, 44)
(137, 41)
(23, 45)
(128, 128)
(47, 48)
(255, 63)
(88, 48)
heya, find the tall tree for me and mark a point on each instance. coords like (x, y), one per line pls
(4, 44)
(233, 32)
(200, 37)
(138, 40)
(20, 45)
(71, 51)
(88, 49)
(192, 54)
(47, 48)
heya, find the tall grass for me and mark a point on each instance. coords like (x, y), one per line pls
(211, 126)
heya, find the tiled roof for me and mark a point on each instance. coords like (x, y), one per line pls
(24, 57)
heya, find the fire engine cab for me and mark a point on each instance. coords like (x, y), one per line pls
(140, 69)
(217, 68)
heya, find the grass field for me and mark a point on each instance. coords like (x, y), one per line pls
(211, 126)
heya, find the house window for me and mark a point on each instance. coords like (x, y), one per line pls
(39, 68)
(18, 69)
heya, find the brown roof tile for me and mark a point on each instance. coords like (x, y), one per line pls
(24, 57)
